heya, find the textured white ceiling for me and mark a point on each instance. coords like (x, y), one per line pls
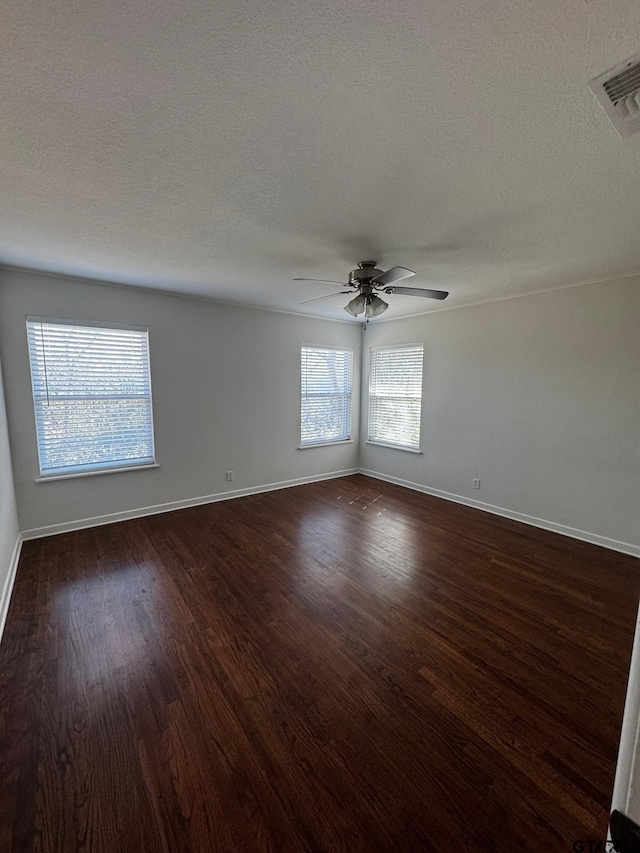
(222, 148)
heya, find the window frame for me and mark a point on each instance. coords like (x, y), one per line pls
(407, 448)
(84, 470)
(330, 441)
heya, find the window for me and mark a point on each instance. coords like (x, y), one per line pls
(326, 395)
(92, 396)
(395, 396)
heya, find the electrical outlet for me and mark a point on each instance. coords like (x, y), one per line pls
(476, 483)
(229, 475)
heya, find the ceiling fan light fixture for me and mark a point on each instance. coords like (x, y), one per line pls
(375, 306)
(356, 306)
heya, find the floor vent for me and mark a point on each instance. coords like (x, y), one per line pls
(618, 93)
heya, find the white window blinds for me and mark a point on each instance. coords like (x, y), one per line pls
(326, 394)
(92, 396)
(395, 395)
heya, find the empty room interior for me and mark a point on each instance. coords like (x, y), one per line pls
(319, 426)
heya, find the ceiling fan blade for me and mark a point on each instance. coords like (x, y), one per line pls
(394, 274)
(319, 298)
(322, 281)
(418, 291)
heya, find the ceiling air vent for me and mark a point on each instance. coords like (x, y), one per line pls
(618, 93)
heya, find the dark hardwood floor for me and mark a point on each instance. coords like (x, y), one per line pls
(340, 666)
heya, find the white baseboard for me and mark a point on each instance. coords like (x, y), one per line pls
(97, 521)
(585, 536)
(7, 589)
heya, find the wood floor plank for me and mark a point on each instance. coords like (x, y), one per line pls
(346, 665)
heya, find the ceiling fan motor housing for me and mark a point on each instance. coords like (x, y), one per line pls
(365, 272)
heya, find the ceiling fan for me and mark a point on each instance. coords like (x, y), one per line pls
(367, 282)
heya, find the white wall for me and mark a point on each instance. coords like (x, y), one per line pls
(226, 393)
(539, 397)
(8, 514)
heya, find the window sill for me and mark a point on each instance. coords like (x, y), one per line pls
(325, 443)
(75, 476)
(394, 446)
